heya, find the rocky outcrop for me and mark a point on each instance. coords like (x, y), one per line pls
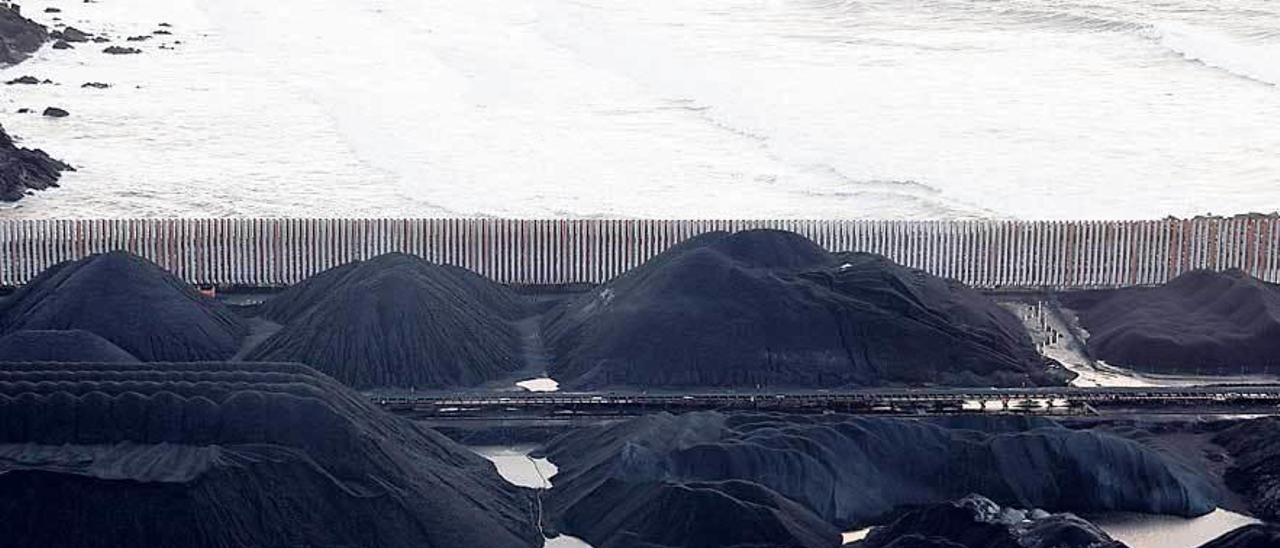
(1255, 471)
(1201, 322)
(19, 36)
(977, 522)
(1250, 536)
(55, 112)
(129, 301)
(118, 50)
(854, 471)
(23, 170)
(396, 320)
(76, 345)
(207, 455)
(71, 34)
(771, 309)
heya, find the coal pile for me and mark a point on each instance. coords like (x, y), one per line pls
(130, 302)
(728, 514)
(1250, 536)
(23, 170)
(856, 471)
(772, 309)
(1200, 322)
(226, 454)
(1254, 446)
(76, 345)
(397, 321)
(977, 522)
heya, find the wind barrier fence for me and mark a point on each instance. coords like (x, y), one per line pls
(982, 253)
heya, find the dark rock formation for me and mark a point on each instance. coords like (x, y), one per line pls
(854, 471)
(117, 50)
(75, 345)
(52, 10)
(101, 39)
(71, 34)
(161, 32)
(19, 36)
(217, 455)
(1255, 447)
(396, 320)
(1206, 322)
(55, 112)
(24, 80)
(977, 522)
(139, 38)
(1249, 536)
(95, 85)
(24, 169)
(62, 44)
(769, 308)
(130, 302)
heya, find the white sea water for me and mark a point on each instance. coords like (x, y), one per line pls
(662, 108)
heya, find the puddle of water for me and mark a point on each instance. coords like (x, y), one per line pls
(540, 385)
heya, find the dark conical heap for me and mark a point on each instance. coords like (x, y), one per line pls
(977, 522)
(850, 471)
(1201, 321)
(130, 302)
(772, 309)
(207, 455)
(396, 321)
(76, 345)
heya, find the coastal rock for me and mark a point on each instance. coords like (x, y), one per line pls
(854, 471)
(52, 10)
(138, 38)
(207, 455)
(75, 345)
(55, 112)
(129, 301)
(396, 320)
(62, 44)
(977, 522)
(1250, 536)
(101, 39)
(19, 36)
(95, 85)
(70, 34)
(766, 308)
(1200, 322)
(23, 169)
(23, 80)
(118, 50)
(1255, 471)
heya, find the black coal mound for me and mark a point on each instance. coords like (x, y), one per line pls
(769, 308)
(75, 345)
(222, 454)
(727, 514)
(19, 36)
(1249, 536)
(396, 320)
(23, 169)
(129, 301)
(1206, 322)
(1255, 471)
(854, 471)
(977, 522)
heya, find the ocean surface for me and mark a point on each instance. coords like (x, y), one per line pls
(1036, 109)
